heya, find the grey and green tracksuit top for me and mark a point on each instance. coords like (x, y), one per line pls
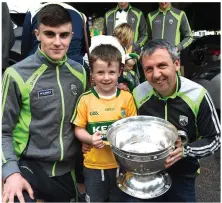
(38, 100)
(171, 25)
(135, 19)
(189, 109)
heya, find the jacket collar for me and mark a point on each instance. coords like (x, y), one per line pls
(173, 96)
(127, 9)
(47, 60)
(168, 9)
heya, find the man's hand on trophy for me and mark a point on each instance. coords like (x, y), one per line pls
(97, 141)
(86, 148)
(175, 155)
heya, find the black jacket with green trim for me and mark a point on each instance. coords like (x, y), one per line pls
(171, 25)
(189, 109)
(135, 19)
(38, 100)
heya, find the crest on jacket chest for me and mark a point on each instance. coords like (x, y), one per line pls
(183, 120)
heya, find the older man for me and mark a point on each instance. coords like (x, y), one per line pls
(188, 106)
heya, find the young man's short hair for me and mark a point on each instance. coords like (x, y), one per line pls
(53, 15)
(107, 53)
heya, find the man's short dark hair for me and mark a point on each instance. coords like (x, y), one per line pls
(54, 15)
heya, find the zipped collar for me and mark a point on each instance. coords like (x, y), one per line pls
(47, 60)
(168, 9)
(173, 96)
(127, 9)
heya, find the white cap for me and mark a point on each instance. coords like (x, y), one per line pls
(103, 39)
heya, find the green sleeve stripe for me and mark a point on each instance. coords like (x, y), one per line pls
(75, 111)
(139, 102)
(10, 72)
(108, 14)
(154, 16)
(3, 158)
(188, 42)
(84, 79)
(178, 17)
(5, 92)
(80, 76)
(150, 21)
(63, 113)
(199, 100)
(137, 25)
(191, 104)
(4, 81)
(30, 83)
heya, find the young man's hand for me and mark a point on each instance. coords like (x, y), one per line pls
(14, 186)
(97, 141)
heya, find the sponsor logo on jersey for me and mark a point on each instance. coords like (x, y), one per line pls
(102, 129)
(109, 109)
(44, 93)
(157, 21)
(93, 113)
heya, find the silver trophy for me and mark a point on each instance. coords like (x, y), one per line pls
(141, 144)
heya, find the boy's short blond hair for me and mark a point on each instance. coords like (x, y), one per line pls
(124, 33)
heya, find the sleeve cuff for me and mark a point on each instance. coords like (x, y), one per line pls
(180, 47)
(9, 168)
(184, 152)
(136, 48)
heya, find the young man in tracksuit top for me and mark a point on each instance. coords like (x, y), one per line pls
(125, 13)
(39, 96)
(77, 46)
(171, 24)
(188, 106)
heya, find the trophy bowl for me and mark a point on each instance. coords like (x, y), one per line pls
(141, 145)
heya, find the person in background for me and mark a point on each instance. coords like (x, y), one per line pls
(185, 104)
(77, 48)
(125, 13)
(39, 96)
(171, 24)
(97, 109)
(130, 77)
(8, 36)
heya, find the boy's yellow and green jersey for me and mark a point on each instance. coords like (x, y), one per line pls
(97, 114)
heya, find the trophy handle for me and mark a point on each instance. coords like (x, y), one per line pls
(184, 136)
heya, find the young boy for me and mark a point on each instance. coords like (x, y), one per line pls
(130, 77)
(96, 109)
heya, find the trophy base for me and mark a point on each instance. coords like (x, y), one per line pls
(144, 186)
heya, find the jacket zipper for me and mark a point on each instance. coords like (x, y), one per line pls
(62, 121)
(165, 109)
(164, 15)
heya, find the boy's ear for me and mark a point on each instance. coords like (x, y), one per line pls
(37, 34)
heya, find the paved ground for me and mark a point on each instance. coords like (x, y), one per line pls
(208, 186)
